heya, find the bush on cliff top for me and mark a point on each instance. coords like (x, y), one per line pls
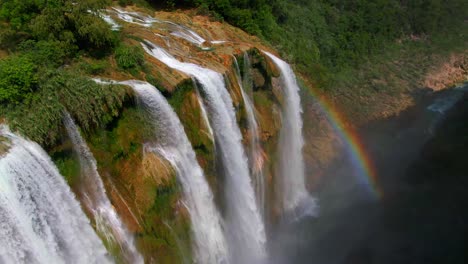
(129, 57)
(18, 79)
(89, 103)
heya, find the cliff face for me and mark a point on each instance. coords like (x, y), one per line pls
(143, 186)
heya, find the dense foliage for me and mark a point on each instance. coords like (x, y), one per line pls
(18, 78)
(42, 39)
(129, 57)
(89, 103)
(74, 25)
(331, 35)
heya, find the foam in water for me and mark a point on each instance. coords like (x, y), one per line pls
(188, 35)
(442, 105)
(40, 219)
(244, 222)
(175, 29)
(256, 153)
(295, 198)
(108, 223)
(135, 18)
(109, 20)
(203, 112)
(173, 144)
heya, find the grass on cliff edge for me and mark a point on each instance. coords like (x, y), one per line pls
(39, 117)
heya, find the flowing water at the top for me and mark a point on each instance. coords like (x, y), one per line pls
(135, 17)
(172, 144)
(256, 156)
(40, 219)
(176, 30)
(295, 198)
(246, 228)
(107, 221)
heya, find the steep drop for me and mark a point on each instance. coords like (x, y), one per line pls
(40, 219)
(246, 229)
(256, 158)
(108, 223)
(173, 144)
(294, 196)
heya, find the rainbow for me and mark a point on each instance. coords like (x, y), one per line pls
(367, 173)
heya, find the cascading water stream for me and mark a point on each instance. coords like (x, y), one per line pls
(135, 17)
(256, 153)
(40, 219)
(172, 144)
(295, 198)
(246, 229)
(96, 201)
(175, 29)
(203, 112)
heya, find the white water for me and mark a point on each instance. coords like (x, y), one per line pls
(175, 29)
(442, 105)
(217, 42)
(109, 20)
(40, 219)
(107, 221)
(295, 198)
(256, 152)
(135, 18)
(246, 228)
(173, 145)
(203, 111)
(188, 35)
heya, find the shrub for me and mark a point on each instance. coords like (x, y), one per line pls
(94, 67)
(45, 53)
(91, 105)
(18, 78)
(129, 57)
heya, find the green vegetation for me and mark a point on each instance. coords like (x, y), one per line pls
(129, 57)
(39, 116)
(323, 37)
(50, 45)
(18, 78)
(68, 165)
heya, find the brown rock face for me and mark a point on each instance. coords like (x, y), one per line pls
(3, 145)
(448, 73)
(258, 79)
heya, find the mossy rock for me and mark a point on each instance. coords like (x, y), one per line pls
(142, 186)
(4, 145)
(263, 63)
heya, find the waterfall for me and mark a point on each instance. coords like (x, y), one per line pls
(203, 111)
(96, 201)
(295, 198)
(108, 19)
(256, 153)
(40, 219)
(244, 222)
(175, 29)
(173, 145)
(135, 17)
(187, 34)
